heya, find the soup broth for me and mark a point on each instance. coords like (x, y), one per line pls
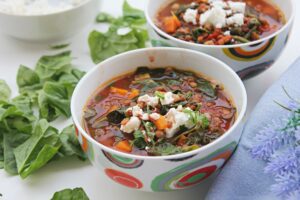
(220, 22)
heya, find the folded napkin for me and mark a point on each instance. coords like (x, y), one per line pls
(245, 176)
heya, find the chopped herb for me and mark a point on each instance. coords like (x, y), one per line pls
(160, 95)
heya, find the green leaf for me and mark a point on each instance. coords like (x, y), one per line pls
(38, 150)
(165, 149)
(206, 87)
(129, 11)
(59, 46)
(104, 17)
(70, 145)
(49, 67)
(5, 91)
(69, 194)
(28, 80)
(139, 140)
(54, 100)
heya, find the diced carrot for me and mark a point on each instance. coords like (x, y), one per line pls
(133, 93)
(170, 24)
(124, 146)
(119, 91)
(177, 21)
(161, 123)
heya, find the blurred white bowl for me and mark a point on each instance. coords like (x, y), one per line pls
(49, 27)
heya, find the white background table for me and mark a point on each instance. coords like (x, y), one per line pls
(70, 172)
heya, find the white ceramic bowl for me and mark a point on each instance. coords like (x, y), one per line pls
(248, 60)
(163, 173)
(49, 27)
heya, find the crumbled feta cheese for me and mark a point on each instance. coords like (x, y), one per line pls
(228, 12)
(136, 111)
(145, 117)
(215, 16)
(190, 16)
(236, 19)
(151, 101)
(132, 125)
(227, 33)
(237, 7)
(124, 31)
(177, 119)
(168, 99)
(155, 116)
(220, 4)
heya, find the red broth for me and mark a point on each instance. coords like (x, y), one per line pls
(206, 112)
(268, 17)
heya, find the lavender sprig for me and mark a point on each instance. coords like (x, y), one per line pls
(279, 145)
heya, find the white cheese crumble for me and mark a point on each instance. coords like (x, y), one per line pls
(236, 19)
(132, 125)
(215, 16)
(237, 7)
(220, 4)
(36, 7)
(124, 31)
(151, 101)
(190, 16)
(155, 116)
(177, 119)
(168, 99)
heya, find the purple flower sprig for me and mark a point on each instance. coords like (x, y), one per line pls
(279, 145)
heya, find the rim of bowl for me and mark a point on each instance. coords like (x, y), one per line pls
(49, 14)
(78, 122)
(161, 32)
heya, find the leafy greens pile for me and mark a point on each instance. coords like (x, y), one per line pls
(124, 34)
(27, 141)
(70, 194)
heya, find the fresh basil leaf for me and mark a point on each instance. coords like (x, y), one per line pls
(49, 67)
(5, 91)
(38, 150)
(70, 145)
(104, 17)
(129, 11)
(70, 194)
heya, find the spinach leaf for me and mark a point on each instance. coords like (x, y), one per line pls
(49, 67)
(59, 46)
(54, 100)
(206, 87)
(38, 150)
(129, 11)
(70, 145)
(139, 140)
(5, 91)
(165, 149)
(105, 45)
(70, 194)
(105, 17)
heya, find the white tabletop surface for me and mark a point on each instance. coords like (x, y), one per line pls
(70, 172)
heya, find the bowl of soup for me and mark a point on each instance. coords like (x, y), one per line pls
(248, 35)
(159, 119)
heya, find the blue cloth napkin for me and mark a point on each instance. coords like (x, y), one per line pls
(243, 177)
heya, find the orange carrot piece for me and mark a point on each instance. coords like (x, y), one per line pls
(170, 25)
(134, 93)
(124, 146)
(176, 20)
(119, 91)
(161, 123)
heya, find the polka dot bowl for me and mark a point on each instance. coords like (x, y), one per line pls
(162, 173)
